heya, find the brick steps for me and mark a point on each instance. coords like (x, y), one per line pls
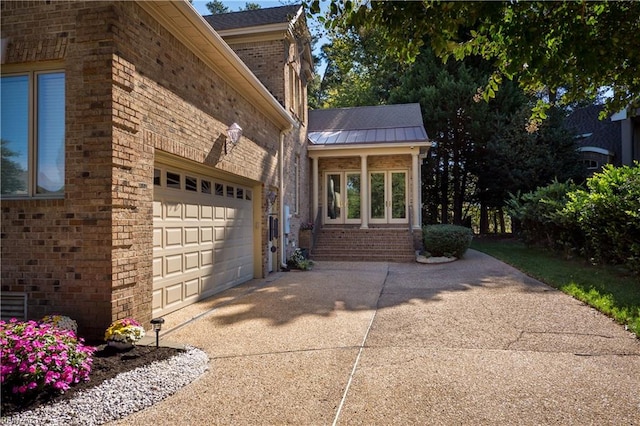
(373, 245)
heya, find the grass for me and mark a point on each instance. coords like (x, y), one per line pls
(613, 291)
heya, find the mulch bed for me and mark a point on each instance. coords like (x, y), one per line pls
(107, 363)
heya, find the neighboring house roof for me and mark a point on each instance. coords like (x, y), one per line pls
(591, 132)
(367, 125)
(253, 18)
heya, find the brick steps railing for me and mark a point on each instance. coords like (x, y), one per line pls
(373, 245)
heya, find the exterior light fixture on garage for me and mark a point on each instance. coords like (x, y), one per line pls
(233, 134)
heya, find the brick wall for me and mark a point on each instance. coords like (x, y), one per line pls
(131, 89)
(270, 60)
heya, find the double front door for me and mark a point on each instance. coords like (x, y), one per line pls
(386, 197)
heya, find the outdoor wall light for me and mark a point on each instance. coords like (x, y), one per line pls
(233, 134)
(157, 326)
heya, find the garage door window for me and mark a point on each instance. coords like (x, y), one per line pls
(174, 179)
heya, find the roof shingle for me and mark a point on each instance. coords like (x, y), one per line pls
(252, 18)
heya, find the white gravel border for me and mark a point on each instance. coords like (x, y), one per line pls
(121, 396)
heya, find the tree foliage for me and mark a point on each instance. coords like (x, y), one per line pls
(577, 46)
(217, 7)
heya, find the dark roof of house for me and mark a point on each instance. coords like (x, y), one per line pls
(370, 124)
(253, 18)
(590, 131)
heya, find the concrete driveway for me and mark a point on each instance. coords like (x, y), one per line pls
(469, 342)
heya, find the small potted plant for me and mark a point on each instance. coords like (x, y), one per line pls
(61, 321)
(124, 333)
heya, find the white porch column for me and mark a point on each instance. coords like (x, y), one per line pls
(415, 157)
(364, 193)
(314, 174)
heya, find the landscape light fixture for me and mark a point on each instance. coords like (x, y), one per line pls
(233, 134)
(157, 326)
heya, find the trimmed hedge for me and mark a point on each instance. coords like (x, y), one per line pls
(447, 240)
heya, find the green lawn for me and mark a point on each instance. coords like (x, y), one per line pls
(612, 291)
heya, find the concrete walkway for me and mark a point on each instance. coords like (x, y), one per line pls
(469, 342)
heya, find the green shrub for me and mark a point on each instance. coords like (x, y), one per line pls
(608, 214)
(538, 217)
(447, 240)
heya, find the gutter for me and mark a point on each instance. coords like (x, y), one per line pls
(283, 243)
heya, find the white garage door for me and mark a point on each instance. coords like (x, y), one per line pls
(202, 237)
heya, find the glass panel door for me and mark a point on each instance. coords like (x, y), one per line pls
(353, 197)
(333, 210)
(342, 197)
(398, 191)
(377, 205)
(388, 197)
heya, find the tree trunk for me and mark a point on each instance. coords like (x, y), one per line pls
(484, 218)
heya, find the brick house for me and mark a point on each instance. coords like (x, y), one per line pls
(128, 198)
(123, 193)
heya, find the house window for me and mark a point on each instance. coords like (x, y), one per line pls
(33, 134)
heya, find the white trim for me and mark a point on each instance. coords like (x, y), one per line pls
(596, 150)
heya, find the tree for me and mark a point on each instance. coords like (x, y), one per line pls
(216, 7)
(251, 6)
(357, 72)
(12, 173)
(579, 47)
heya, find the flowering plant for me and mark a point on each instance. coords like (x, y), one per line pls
(40, 357)
(61, 321)
(125, 330)
(306, 225)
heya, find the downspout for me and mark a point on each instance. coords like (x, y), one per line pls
(283, 243)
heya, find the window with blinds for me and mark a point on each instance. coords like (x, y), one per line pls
(33, 134)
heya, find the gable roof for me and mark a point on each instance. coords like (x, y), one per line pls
(253, 18)
(366, 125)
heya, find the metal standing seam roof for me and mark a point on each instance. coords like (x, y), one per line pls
(368, 136)
(381, 124)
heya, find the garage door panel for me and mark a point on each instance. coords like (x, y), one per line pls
(173, 237)
(191, 235)
(191, 211)
(192, 288)
(173, 264)
(206, 234)
(157, 209)
(220, 213)
(173, 210)
(191, 260)
(206, 258)
(157, 267)
(157, 238)
(173, 293)
(156, 300)
(206, 212)
(219, 231)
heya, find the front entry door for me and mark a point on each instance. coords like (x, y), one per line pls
(388, 197)
(342, 198)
